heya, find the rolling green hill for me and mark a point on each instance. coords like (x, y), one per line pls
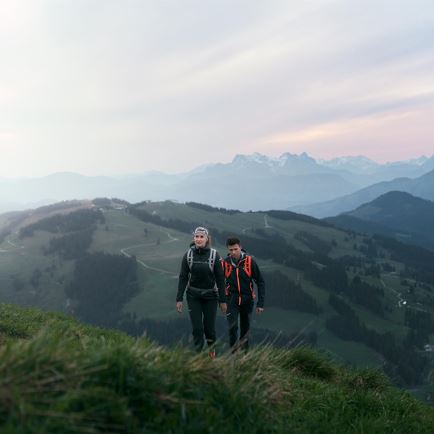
(364, 300)
(60, 376)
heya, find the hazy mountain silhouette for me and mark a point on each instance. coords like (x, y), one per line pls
(422, 187)
(398, 214)
(247, 182)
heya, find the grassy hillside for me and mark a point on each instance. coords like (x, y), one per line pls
(382, 288)
(59, 376)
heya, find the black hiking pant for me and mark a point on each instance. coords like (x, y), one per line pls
(203, 312)
(244, 312)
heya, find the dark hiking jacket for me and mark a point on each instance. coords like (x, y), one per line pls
(201, 277)
(240, 277)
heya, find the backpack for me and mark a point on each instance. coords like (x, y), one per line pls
(211, 259)
(247, 266)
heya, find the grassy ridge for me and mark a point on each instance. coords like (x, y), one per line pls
(60, 376)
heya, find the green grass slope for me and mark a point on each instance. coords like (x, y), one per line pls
(59, 376)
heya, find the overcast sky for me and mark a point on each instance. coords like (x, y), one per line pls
(114, 87)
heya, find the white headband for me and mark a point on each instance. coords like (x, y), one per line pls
(201, 230)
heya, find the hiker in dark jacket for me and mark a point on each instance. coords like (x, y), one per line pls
(241, 270)
(202, 276)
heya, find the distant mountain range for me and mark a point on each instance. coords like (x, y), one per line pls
(248, 182)
(422, 187)
(395, 214)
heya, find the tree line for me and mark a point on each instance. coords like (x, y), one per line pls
(210, 208)
(404, 363)
(64, 223)
(419, 261)
(286, 294)
(101, 285)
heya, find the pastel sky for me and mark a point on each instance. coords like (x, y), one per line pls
(115, 87)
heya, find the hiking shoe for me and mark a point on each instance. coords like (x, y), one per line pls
(212, 354)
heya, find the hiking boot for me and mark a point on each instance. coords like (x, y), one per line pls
(212, 354)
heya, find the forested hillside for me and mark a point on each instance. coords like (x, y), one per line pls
(396, 214)
(366, 301)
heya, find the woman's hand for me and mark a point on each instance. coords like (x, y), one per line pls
(179, 306)
(223, 307)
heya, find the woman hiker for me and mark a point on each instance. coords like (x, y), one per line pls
(202, 276)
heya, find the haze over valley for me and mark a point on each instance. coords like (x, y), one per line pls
(296, 182)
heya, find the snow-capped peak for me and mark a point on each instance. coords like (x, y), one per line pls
(418, 161)
(357, 163)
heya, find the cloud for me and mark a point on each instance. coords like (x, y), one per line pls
(129, 84)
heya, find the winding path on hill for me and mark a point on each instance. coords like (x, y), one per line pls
(147, 266)
(11, 243)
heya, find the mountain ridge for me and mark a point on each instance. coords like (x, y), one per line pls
(396, 214)
(279, 183)
(422, 187)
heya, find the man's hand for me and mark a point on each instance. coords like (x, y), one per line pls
(223, 307)
(259, 310)
(179, 306)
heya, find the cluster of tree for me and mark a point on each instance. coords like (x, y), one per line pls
(3, 234)
(145, 216)
(328, 274)
(14, 219)
(313, 242)
(286, 294)
(105, 202)
(366, 295)
(373, 270)
(404, 361)
(58, 206)
(387, 267)
(269, 245)
(351, 261)
(369, 266)
(422, 326)
(325, 272)
(369, 248)
(71, 246)
(419, 261)
(210, 208)
(102, 202)
(288, 215)
(64, 223)
(101, 286)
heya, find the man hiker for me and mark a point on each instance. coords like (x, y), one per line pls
(241, 270)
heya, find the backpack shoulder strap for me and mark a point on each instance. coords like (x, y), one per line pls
(211, 259)
(248, 265)
(228, 269)
(190, 258)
